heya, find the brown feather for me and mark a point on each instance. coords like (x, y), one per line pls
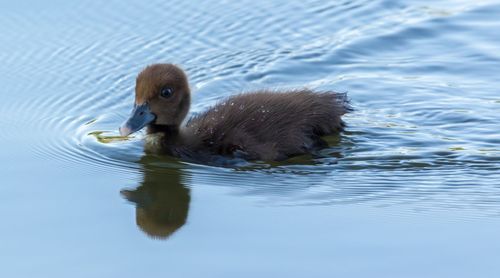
(263, 125)
(269, 125)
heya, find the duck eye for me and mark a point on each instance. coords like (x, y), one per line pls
(166, 92)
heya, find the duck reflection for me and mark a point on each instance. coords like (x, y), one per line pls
(161, 199)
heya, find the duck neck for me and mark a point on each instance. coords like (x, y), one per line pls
(171, 131)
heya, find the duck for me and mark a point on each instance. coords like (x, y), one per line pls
(264, 125)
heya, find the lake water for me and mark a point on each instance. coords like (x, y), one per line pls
(410, 189)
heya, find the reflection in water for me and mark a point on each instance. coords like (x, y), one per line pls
(161, 199)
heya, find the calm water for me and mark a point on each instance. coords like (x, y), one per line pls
(410, 189)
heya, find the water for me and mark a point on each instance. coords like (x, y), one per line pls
(410, 189)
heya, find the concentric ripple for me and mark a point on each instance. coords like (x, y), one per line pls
(424, 129)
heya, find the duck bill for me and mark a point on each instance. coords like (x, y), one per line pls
(141, 116)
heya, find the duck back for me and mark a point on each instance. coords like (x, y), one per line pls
(268, 125)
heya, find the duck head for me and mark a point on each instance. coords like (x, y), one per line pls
(162, 98)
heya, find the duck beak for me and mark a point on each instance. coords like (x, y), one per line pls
(141, 116)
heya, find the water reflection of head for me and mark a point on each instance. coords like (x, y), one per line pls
(162, 200)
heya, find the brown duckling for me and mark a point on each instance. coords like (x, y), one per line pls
(262, 125)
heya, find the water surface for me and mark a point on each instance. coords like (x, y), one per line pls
(410, 189)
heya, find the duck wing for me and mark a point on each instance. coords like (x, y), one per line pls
(268, 125)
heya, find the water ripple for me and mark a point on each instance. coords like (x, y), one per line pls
(424, 129)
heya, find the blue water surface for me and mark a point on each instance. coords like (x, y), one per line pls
(411, 188)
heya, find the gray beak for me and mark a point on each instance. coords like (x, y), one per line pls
(141, 116)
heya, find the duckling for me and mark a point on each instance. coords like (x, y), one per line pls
(263, 125)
